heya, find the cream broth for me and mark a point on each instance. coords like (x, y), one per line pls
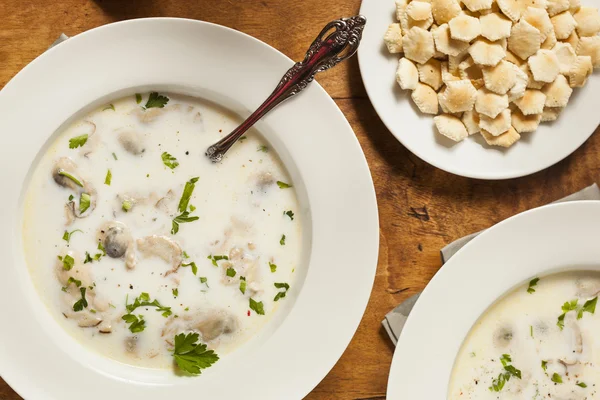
(233, 227)
(546, 332)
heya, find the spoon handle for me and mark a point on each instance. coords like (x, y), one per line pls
(337, 41)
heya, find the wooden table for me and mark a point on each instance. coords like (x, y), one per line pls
(421, 208)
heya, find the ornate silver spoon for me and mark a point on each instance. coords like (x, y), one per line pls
(338, 41)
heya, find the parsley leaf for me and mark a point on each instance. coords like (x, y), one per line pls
(180, 219)
(283, 185)
(281, 295)
(82, 303)
(67, 235)
(192, 357)
(243, 284)
(214, 259)
(138, 98)
(561, 321)
(114, 156)
(569, 306)
(282, 240)
(257, 306)
(504, 377)
(203, 279)
(544, 365)
(71, 177)
(156, 100)
(88, 258)
(67, 261)
(78, 141)
(175, 292)
(590, 305)
(169, 160)
(108, 178)
(137, 323)
(581, 385)
(84, 202)
(556, 378)
(191, 264)
(126, 206)
(289, 213)
(532, 284)
(143, 300)
(273, 266)
(187, 194)
(230, 272)
(109, 107)
(263, 148)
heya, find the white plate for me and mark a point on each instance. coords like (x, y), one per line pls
(40, 361)
(471, 158)
(538, 242)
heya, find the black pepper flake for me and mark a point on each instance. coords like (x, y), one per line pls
(130, 286)
(187, 153)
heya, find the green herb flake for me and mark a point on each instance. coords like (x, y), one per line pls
(109, 107)
(281, 295)
(243, 284)
(180, 219)
(137, 323)
(126, 206)
(71, 177)
(114, 156)
(169, 160)
(561, 321)
(272, 266)
(71, 197)
(214, 259)
(138, 98)
(263, 148)
(203, 279)
(282, 240)
(191, 356)
(108, 178)
(283, 185)
(187, 194)
(590, 305)
(289, 213)
(67, 235)
(581, 385)
(532, 284)
(556, 378)
(82, 303)
(67, 261)
(193, 265)
(531, 330)
(84, 202)
(509, 372)
(544, 365)
(230, 272)
(156, 100)
(243, 138)
(78, 141)
(257, 306)
(175, 292)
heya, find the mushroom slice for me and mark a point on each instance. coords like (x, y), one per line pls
(162, 247)
(132, 142)
(214, 325)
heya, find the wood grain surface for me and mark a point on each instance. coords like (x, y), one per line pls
(421, 208)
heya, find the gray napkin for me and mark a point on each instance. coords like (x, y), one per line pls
(394, 320)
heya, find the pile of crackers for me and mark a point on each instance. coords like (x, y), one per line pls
(495, 67)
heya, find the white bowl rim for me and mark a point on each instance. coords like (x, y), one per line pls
(421, 368)
(343, 209)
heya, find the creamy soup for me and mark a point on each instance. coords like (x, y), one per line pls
(133, 236)
(538, 342)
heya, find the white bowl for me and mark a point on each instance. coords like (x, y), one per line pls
(297, 349)
(471, 158)
(539, 242)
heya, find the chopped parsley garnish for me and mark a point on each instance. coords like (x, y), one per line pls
(289, 213)
(263, 148)
(281, 295)
(204, 280)
(138, 98)
(272, 266)
(67, 262)
(191, 356)
(214, 259)
(192, 208)
(126, 206)
(77, 283)
(88, 258)
(156, 100)
(109, 107)
(169, 160)
(108, 178)
(71, 197)
(137, 323)
(282, 240)
(243, 138)
(532, 284)
(184, 217)
(175, 292)
(243, 284)
(589, 306)
(283, 185)
(143, 300)
(531, 330)
(71, 177)
(230, 272)
(84, 202)
(81, 303)
(67, 235)
(544, 365)
(257, 306)
(78, 141)
(504, 377)
(556, 378)
(114, 156)
(191, 264)
(581, 385)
